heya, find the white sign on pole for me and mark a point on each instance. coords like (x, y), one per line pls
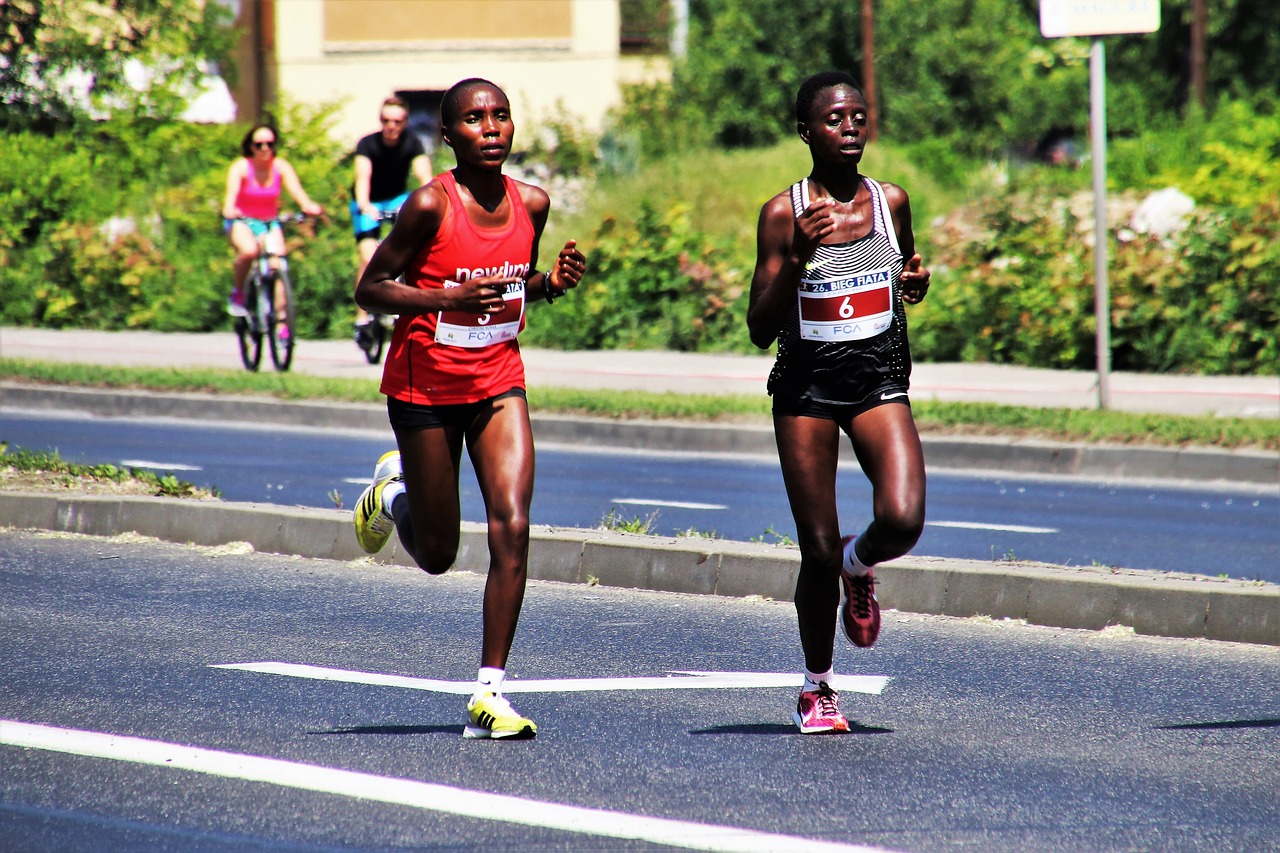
(1060, 18)
(1097, 18)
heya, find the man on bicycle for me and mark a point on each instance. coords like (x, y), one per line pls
(383, 162)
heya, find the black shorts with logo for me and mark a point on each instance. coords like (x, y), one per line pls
(888, 392)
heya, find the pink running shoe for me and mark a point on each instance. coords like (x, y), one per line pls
(860, 612)
(235, 303)
(818, 712)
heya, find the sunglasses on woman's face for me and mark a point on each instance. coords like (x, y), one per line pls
(265, 145)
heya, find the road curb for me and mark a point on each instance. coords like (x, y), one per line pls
(1025, 456)
(1155, 603)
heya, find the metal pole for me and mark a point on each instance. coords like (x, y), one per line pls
(1102, 299)
(869, 69)
(1199, 24)
(679, 28)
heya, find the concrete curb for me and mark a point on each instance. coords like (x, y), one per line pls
(1162, 604)
(1024, 456)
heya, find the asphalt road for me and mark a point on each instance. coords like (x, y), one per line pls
(1230, 529)
(988, 735)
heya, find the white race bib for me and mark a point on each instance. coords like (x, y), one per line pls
(464, 329)
(847, 309)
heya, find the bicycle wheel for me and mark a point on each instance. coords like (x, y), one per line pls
(249, 329)
(280, 330)
(377, 333)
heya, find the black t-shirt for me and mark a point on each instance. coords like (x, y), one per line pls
(391, 165)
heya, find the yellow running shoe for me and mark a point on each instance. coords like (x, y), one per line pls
(492, 716)
(374, 523)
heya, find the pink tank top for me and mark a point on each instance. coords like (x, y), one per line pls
(256, 201)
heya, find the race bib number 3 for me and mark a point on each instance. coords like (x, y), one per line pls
(852, 309)
(464, 329)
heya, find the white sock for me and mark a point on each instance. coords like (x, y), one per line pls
(850, 562)
(489, 680)
(390, 492)
(812, 680)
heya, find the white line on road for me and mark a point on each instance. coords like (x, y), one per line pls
(691, 680)
(406, 792)
(158, 466)
(1007, 528)
(677, 504)
(358, 481)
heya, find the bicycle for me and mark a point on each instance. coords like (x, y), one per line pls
(268, 286)
(372, 336)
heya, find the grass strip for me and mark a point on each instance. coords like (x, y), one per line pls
(1076, 425)
(55, 470)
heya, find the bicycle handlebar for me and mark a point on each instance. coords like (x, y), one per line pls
(283, 219)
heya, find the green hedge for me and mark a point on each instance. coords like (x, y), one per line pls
(117, 226)
(654, 283)
(1013, 283)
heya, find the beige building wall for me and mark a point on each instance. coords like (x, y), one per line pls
(553, 57)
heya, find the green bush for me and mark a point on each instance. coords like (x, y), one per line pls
(1014, 284)
(654, 283)
(118, 225)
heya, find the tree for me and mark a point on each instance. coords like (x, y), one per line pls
(62, 60)
(977, 72)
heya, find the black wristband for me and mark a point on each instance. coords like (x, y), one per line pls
(548, 290)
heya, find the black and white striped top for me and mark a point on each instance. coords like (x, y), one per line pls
(846, 335)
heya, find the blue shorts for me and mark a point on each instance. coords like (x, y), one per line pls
(259, 227)
(368, 228)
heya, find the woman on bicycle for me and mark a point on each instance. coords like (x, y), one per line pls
(251, 206)
(467, 246)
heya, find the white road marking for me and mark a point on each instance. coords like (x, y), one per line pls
(1007, 528)
(684, 680)
(677, 504)
(358, 481)
(405, 792)
(158, 466)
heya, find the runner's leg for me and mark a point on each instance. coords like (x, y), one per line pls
(808, 449)
(888, 448)
(500, 442)
(429, 518)
(246, 248)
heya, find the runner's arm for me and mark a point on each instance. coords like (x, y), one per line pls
(415, 227)
(783, 245)
(234, 175)
(360, 187)
(914, 277)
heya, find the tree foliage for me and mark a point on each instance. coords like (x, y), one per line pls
(975, 72)
(63, 59)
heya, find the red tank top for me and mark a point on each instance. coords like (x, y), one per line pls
(451, 357)
(257, 201)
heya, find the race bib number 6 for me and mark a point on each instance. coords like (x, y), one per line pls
(849, 309)
(464, 329)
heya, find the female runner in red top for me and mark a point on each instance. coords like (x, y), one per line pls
(467, 246)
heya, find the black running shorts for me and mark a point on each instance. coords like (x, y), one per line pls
(411, 417)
